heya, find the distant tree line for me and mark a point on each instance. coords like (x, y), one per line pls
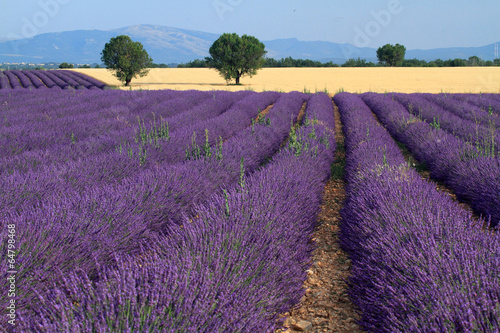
(291, 62)
(268, 62)
(472, 61)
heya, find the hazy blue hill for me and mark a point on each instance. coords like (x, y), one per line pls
(174, 45)
(166, 44)
(80, 46)
(483, 52)
(317, 50)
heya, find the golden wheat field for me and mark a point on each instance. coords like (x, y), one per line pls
(332, 80)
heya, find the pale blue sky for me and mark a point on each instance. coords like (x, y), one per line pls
(416, 24)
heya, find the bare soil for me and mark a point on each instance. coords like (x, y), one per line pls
(326, 304)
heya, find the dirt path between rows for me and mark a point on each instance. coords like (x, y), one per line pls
(326, 306)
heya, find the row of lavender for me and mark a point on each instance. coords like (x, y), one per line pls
(95, 126)
(28, 194)
(475, 107)
(101, 173)
(486, 102)
(43, 79)
(471, 173)
(121, 217)
(420, 263)
(469, 122)
(67, 126)
(52, 192)
(232, 268)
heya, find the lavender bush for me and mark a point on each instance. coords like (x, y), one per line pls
(23, 79)
(465, 110)
(41, 79)
(13, 80)
(93, 81)
(35, 80)
(471, 174)
(420, 263)
(486, 102)
(98, 221)
(45, 79)
(231, 266)
(79, 125)
(485, 138)
(4, 82)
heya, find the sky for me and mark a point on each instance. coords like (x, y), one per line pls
(416, 24)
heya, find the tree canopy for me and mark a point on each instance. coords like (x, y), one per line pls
(391, 55)
(66, 65)
(127, 58)
(234, 56)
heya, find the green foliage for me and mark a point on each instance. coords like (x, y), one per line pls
(154, 134)
(268, 62)
(127, 58)
(159, 66)
(338, 167)
(146, 138)
(475, 61)
(195, 152)
(234, 56)
(66, 65)
(391, 55)
(197, 63)
(226, 200)
(435, 123)
(290, 62)
(414, 63)
(358, 63)
(455, 63)
(241, 182)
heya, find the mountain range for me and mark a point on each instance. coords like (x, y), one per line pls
(174, 45)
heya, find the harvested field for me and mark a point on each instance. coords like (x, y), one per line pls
(378, 79)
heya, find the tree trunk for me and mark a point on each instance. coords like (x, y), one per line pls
(238, 80)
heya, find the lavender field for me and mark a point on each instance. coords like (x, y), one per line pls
(193, 211)
(51, 79)
(420, 262)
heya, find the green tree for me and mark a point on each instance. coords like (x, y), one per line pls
(65, 65)
(391, 55)
(234, 56)
(437, 63)
(197, 63)
(357, 63)
(126, 57)
(455, 63)
(475, 61)
(414, 63)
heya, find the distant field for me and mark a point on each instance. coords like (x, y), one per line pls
(406, 80)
